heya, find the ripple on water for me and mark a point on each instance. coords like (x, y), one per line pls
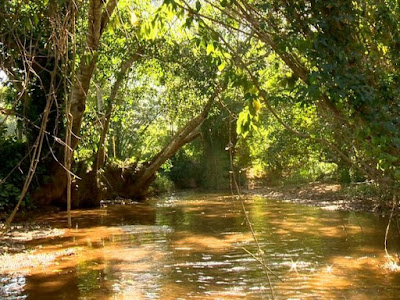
(12, 287)
(190, 247)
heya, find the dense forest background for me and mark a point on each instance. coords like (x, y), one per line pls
(105, 99)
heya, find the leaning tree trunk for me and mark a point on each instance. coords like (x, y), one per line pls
(100, 155)
(134, 184)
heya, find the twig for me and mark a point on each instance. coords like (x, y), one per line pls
(260, 253)
(388, 227)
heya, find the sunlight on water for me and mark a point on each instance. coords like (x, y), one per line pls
(197, 246)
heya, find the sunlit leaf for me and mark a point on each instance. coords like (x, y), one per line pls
(210, 47)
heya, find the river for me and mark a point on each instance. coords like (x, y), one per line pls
(199, 246)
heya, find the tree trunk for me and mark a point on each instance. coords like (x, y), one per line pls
(100, 155)
(98, 19)
(99, 14)
(185, 135)
(129, 183)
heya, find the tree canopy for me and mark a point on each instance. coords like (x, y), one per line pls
(100, 95)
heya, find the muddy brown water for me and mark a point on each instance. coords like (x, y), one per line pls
(196, 246)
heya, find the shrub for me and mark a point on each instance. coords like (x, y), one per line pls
(12, 178)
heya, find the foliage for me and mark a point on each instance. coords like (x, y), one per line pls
(162, 184)
(278, 154)
(363, 190)
(187, 170)
(332, 56)
(11, 174)
(308, 88)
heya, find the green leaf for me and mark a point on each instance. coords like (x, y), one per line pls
(198, 6)
(35, 19)
(243, 123)
(222, 65)
(189, 22)
(133, 19)
(210, 47)
(256, 105)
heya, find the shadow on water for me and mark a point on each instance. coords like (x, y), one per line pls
(192, 246)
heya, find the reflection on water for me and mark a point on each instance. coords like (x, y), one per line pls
(194, 246)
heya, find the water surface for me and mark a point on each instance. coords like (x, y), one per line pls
(198, 246)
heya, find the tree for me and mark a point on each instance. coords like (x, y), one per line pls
(337, 58)
(81, 62)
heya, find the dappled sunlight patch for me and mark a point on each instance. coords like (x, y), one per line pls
(356, 264)
(135, 271)
(29, 235)
(329, 276)
(19, 237)
(210, 243)
(233, 293)
(138, 258)
(323, 188)
(345, 272)
(202, 203)
(365, 250)
(220, 215)
(82, 252)
(312, 226)
(91, 236)
(341, 230)
(194, 209)
(172, 290)
(238, 237)
(336, 278)
(332, 231)
(97, 236)
(313, 281)
(127, 293)
(26, 261)
(138, 213)
(115, 268)
(203, 243)
(60, 218)
(280, 231)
